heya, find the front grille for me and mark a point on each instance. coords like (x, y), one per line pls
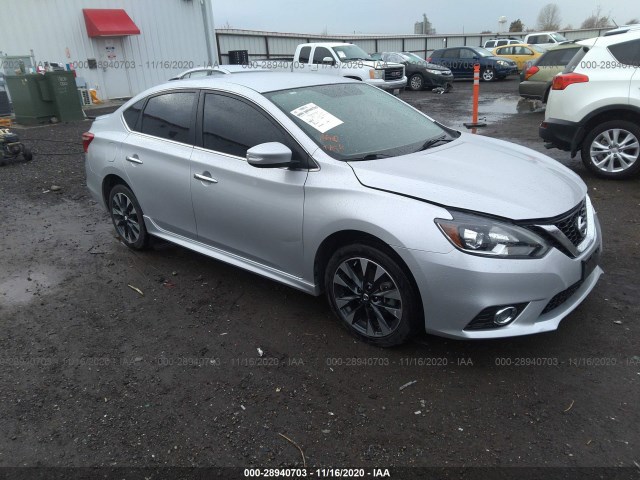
(484, 320)
(392, 74)
(561, 297)
(574, 225)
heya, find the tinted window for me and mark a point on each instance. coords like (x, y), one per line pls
(490, 44)
(627, 52)
(466, 53)
(534, 39)
(502, 42)
(320, 53)
(169, 116)
(558, 57)
(304, 54)
(452, 53)
(232, 126)
(132, 113)
(436, 54)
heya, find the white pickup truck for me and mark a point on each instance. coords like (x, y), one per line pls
(346, 60)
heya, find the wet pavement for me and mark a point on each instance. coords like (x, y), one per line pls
(94, 373)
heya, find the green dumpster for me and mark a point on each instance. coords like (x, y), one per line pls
(36, 98)
(31, 98)
(64, 93)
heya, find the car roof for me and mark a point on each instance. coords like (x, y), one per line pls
(261, 82)
(514, 45)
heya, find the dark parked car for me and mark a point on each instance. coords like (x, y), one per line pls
(420, 73)
(460, 60)
(535, 82)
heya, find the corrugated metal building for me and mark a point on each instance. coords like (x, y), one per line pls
(119, 47)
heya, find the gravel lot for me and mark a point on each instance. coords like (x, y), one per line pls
(96, 374)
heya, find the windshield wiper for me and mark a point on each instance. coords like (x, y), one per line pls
(432, 142)
(369, 156)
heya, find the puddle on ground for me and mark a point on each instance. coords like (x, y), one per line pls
(21, 288)
(510, 105)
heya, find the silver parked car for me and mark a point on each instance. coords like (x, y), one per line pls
(216, 71)
(331, 185)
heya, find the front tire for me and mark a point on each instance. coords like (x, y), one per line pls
(488, 75)
(416, 82)
(372, 295)
(127, 217)
(611, 149)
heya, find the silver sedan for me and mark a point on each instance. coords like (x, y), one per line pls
(333, 186)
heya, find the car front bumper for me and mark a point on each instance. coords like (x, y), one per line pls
(388, 85)
(433, 80)
(456, 287)
(506, 71)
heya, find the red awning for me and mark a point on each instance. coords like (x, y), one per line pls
(109, 22)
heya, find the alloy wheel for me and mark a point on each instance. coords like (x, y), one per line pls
(125, 217)
(614, 150)
(367, 297)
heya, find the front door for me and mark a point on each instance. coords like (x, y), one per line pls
(112, 62)
(255, 213)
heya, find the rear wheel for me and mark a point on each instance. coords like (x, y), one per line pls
(127, 217)
(372, 295)
(611, 149)
(416, 82)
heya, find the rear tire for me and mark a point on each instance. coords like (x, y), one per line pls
(612, 149)
(127, 217)
(372, 295)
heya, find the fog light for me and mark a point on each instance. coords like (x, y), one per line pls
(505, 315)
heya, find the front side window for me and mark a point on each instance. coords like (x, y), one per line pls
(320, 53)
(466, 53)
(232, 126)
(356, 121)
(169, 116)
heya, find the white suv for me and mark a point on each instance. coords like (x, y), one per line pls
(594, 105)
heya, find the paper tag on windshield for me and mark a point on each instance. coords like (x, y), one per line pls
(318, 118)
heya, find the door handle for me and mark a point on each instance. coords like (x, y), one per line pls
(133, 159)
(204, 178)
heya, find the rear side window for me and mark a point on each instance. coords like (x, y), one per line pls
(627, 53)
(452, 53)
(502, 42)
(305, 52)
(436, 54)
(169, 116)
(534, 39)
(132, 113)
(232, 126)
(557, 57)
(490, 44)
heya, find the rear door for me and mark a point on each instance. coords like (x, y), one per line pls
(450, 59)
(255, 213)
(156, 159)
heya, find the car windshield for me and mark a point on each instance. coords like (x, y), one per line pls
(356, 121)
(412, 57)
(536, 49)
(557, 37)
(351, 52)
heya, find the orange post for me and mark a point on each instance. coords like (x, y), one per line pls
(476, 96)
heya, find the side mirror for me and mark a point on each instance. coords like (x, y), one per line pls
(269, 155)
(328, 61)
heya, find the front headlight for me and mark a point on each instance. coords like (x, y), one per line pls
(376, 74)
(502, 63)
(435, 72)
(487, 237)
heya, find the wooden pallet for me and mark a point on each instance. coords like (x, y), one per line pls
(5, 122)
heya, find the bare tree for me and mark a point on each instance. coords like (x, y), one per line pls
(549, 17)
(516, 26)
(633, 21)
(596, 20)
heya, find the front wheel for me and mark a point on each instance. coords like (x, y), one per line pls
(488, 75)
(611, 149)
(372, 295)
(127, 217)
(416, 82)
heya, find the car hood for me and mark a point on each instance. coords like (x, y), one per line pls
(479, 174)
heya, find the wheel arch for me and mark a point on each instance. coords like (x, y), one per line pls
(349, 237)
(110, 181)
(601, 115)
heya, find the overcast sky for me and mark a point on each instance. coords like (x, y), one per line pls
(377, 16)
